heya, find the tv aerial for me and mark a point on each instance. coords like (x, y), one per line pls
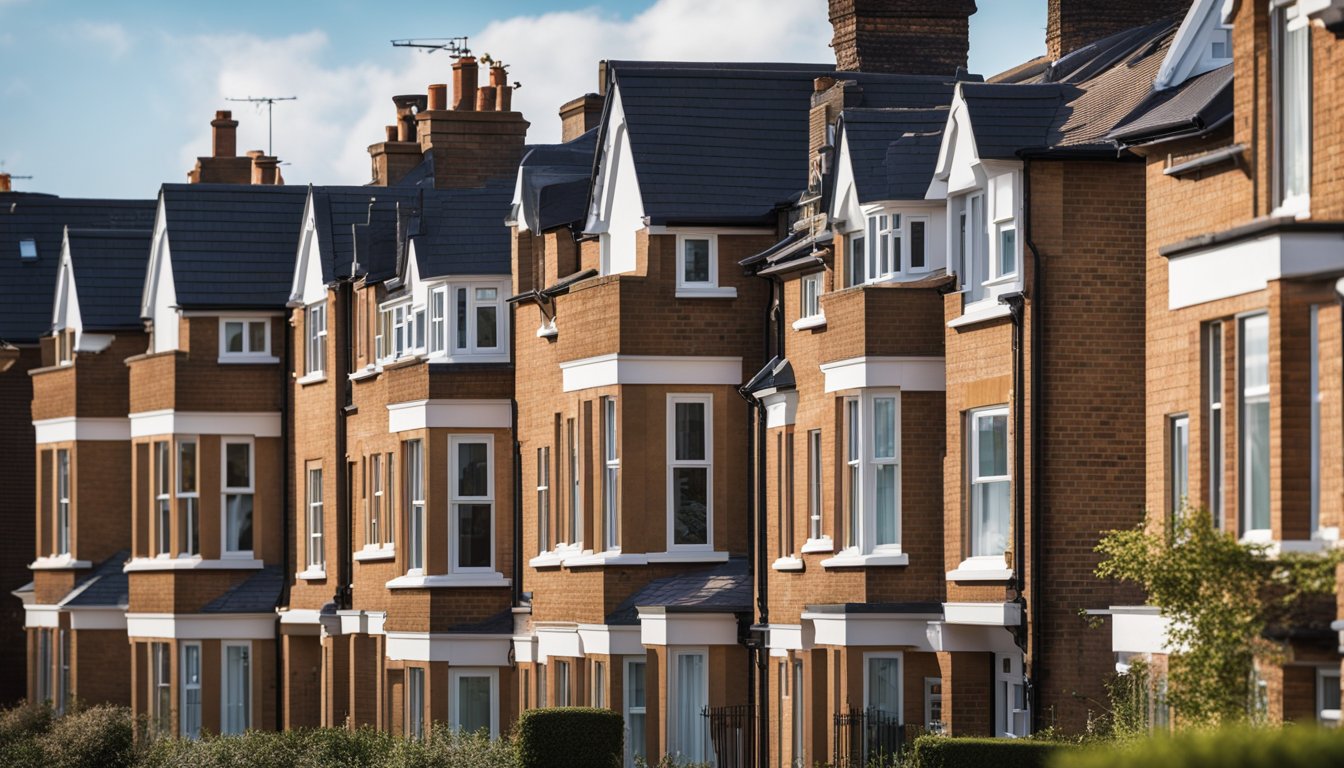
(269, 101)
(455, 46)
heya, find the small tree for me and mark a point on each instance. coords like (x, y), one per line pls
(1219, 597)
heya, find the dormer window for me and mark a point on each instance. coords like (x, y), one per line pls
(460, 320)
(896, 246)
(28, 249)
(245, 340)
(1220, 46)
(698, 267)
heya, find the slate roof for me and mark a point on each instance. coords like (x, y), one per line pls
(462, 231)
(499, 624)
(258, 593)
(109, 269)
(1195, 106)
(337, 211)
(892, 152)
(554, 182)
(232, 246)
(725, 142)
(107, 585)
(725, 588)
(27, 286)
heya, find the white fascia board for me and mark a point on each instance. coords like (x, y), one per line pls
(65, 309)
(68, 429)
(558, 640)
(605, 640)
(1246, 266)
(525, 649)
(785, 637)
(1189, 46)
(845, 202)
(35, 616)
(657, 627)
(1138, 629)
(912, 374)
(983, 614)
(970, 637)
(299, 616)
(781, 408)
(201, 626)
(157, 253)
(100, 617)
(457, 650)
(870, 629)
(467, 414)
(613, 369)
(170, 422)
(307, 286)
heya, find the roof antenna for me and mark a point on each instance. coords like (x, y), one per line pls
(9, 177)
(455, 46)
(269, 101)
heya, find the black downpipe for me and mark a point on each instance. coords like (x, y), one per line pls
(1037, 646)
(748, 637)
(346, 576)
(517, 509)
(285, 571)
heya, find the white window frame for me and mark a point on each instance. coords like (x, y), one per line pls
(160, 660)
(227, 490)
(543, 499)
(857, 243)
(1250, 395)
(1287, 18)
(931, 696)
(63, 507)
(1178, 467)
(185, 686)
(899, 656)
(455, 675)
(415, 508)
(316, 550)
(885, 242)
(574, 482)
(611, 474)
(627, 697)
(908, 241)
(864, 539)
(224, 684)
(698, 288)
(1012, 721)
(455, 498)
(1216, 377)
(474, 303)
(816, 470)
(439, 313)
(973, 478)
(1002, 227)
(673, 464)
(188, 502)
(415, 702)
(374, 533)
(248, 354)
(809, 300)
(1324, 676)
(564, 682)
(162, 451)
(315, 333)
(597, 696)
(674, 706)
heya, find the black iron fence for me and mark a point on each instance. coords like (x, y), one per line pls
(732, 735)
(868, 738)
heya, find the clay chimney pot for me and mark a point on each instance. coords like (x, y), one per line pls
(438, 96)
(391, 131)
(465, 78)
(485, 98)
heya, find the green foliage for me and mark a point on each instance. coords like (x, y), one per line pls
(322, 747)
(951, 752)
(1219, 596)
(570, 737)
(103, 736)
(24, 722)
(1292, 747)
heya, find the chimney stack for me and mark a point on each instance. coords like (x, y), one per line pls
(394, 157)
(464, 83)
(265, 169)
(499, 80)
(579, 116)
(1072, 24)
(223, 165)
(224, 135)
(485, 98)
(913, 37)
(5, 184)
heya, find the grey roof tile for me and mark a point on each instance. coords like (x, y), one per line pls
(1196, 105)
(109, 269)
(258, 593)
(106, 585)
(725, 588)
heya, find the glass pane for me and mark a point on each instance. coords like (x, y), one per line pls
(486, 327)
(917, 244)
(690, 503)
(233, 337)
(186, 467)
(696, 261)
(885, 502)
(1007, 251)
(609, 417)
(989, 518)
(884, 428)
(415, 536)
(420, 329)
(191, 527)
(1296, 106)
(256, 336)
(884, 692)
(690, 430)
(486, 294)
(1180, 461)
(473, 704)
(1257, 460)
(473, 535)
(237, 689)
(1329, 691)
(636, 682)
(692, 697)
(461, 319)
(855, 270)
(852, 424)
(1255, 352)
(991, 435)
(472, 470)
(238, 533)
(238, 465)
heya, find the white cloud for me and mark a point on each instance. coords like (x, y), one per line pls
(341, 108)
(107, 34)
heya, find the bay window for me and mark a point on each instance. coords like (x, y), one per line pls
(316, 552)
(190, 695)
(188, 498)
(473, 704)
(1253, 372)
(471, 503)
(611, 475)
(459, 319)
(62, 501)
(895, 244)
(163, 509)
(415, 506)
(989, 481)
(239, 468)
(236, 707)
(872, 436)
(315, 351)
(690, 469)
(1292, 104)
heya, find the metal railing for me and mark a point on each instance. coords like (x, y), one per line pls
(732, 735)
(865, 738)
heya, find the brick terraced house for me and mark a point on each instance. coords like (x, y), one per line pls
(1243, 256)
(778, 407)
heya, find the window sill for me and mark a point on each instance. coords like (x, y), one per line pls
(316, 377)
(806, 323)
(190, 564)
(368, 372)
(1257, 536)
(57, 562)
(312, 574)
(449, 581)
(982, 314)
(546, 560)
(789, 563)
(813, 546)
(694, 556)
(708, 292)
(375, 553)
(248, 360)
(610, 557)
(988, 568)
(875, 559)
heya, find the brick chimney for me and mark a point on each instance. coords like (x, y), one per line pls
(475, 140)
(223, 135)
(465, 75)
(579, 116)
(223, 166)
(1071, 24)
(265, 168)
(5, 184)
(915, 37)
(399, 153)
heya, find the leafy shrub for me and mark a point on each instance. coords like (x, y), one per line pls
(949, 752)
(336, 747)
(24, 722)
(1291, 747)
(445, 747)
(570, 737)
(98, 737)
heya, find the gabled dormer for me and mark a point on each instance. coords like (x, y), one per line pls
(1202, 44)
(615, 205)
(158, 305)
(103, 262)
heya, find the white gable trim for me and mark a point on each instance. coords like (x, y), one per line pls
(616, 206)
(307, 286)
(845, 203)
(1189, 54)
(65, 310)
(159, 302)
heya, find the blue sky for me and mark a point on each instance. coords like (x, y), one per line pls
(110, 99)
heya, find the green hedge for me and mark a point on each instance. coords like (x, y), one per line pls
(949, 752)
(570, 737)
(1289, 747)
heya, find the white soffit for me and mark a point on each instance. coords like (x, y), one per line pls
(69, 429)
(457, 650)
(870, 629)
(1246, 266)
(656, 627)
(913, 374)
(201, 626)
(466, 414)
(170, 422)
(105, 618)
(613, 369)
